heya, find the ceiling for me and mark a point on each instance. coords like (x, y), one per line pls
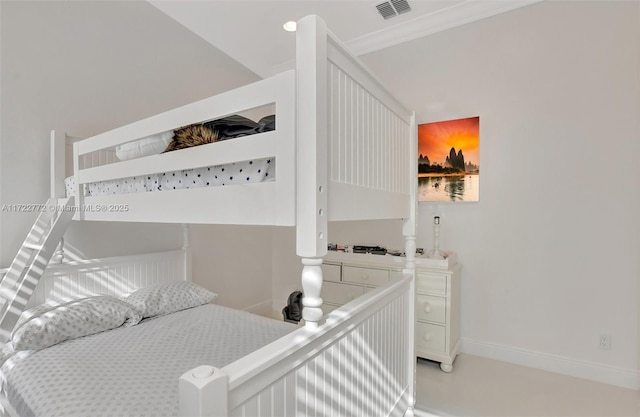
(251, 31)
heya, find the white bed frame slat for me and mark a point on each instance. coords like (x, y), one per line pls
(378, 162)
(112, 276)
(195, 205)
(339, 55)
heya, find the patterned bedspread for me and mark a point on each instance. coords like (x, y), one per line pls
(133, 371)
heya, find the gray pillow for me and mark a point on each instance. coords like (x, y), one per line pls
(47, 325)
(169, 297)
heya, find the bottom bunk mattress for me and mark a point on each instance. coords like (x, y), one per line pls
(245, 172)
(132, 371)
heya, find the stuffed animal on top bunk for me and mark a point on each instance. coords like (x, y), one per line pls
(192, 135)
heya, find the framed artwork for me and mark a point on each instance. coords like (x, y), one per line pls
(448, 160)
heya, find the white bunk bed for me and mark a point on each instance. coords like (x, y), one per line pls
(345, 149)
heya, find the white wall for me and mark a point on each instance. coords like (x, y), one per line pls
(550, 253)
(87, 67)
(235, 262)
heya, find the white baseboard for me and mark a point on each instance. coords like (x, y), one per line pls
(263, 308)
(421, 413)
(626, 378)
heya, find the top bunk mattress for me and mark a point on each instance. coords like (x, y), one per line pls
(133, 371)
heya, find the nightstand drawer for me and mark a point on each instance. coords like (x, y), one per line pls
(367, 276)
(431, 336)
(431, 308)
(431, 283)
(331, 272)
(335, 293)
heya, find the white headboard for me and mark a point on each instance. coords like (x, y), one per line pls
(113, 276)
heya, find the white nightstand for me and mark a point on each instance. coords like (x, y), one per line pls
(348, 275)
(438, 314)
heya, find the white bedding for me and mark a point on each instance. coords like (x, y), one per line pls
(132, 371)
(245, 172)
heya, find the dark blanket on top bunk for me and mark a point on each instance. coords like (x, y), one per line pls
(216, 130)
(235, 126)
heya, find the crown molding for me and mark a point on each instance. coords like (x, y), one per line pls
(438, 21)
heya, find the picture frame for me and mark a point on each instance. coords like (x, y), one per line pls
(449, 160)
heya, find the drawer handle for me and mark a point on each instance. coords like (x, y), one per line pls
(427, 307)
(427, 337)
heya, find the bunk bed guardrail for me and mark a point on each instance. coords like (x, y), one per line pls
(271, 202)
(353, 365)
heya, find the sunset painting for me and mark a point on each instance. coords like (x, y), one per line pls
(448, 160)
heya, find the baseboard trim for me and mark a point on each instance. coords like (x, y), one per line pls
(422, 413)
(626, 378)
(262, 309)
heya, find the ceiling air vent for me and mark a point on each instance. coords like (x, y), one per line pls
(393, 8)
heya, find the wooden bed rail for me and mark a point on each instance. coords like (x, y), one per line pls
(250, 96)
(355, 364)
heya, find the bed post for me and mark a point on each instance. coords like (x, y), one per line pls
(79, 188)
(409, 232)
(203, 391)
(311, 204)
(57, 167)
(57, 163)
(186, 252)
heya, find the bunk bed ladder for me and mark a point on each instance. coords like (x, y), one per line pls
(31, 261)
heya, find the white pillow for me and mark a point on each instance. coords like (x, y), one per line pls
(151, 145)
(47, 325)
(168, 297)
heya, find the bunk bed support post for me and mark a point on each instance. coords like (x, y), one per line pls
(186, 251)
(409, 228)
(57, 165)
(311, 207)
(58, 255)
(79, 188)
